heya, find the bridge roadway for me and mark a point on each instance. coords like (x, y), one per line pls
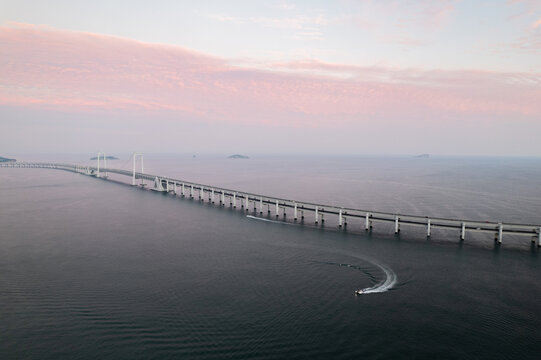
(280, 205)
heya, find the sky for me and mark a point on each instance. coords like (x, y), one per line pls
(365, 77)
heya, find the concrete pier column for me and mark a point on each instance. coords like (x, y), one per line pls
(277, 209)
(260, 206)
(234, 200)
(158, 184)
(396, 225)
(191, 191)
(295, 211)
(246, 202)
(175, 188)
(539, 237)
(500, 233)
(133, 175)
(105, 164)
(428, 228)
(317, 216)
(340, 218)
(222, 199)
(201, 191)
(142, 171)
(367, 222)
(212, 195)
(463, 231)
(134, 158)
(182, 190)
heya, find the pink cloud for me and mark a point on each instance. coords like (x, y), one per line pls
(75, 71)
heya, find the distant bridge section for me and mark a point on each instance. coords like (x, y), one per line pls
(298, 209)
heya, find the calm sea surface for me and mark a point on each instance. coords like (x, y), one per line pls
(93, 269)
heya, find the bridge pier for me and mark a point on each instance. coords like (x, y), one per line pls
(105, 165)
(100, 154)
(367, 222)
(222, 199)
(234, 200)
(158, 185)
(428, 228)
(201, 191)
(182, 192)
(260, 206)
(191, 191)
(134, 156)
(316, 216)
(277, 209)
(98, 172)
(539, 238)
(500, 233)
(396, 225)
(295, 211)
(340, 218)
(463, 231)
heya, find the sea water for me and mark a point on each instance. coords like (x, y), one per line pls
(99, 269)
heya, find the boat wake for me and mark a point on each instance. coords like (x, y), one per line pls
(268, 220)
(384, 285)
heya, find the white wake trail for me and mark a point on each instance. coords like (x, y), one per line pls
(384, 285)
(268, 220)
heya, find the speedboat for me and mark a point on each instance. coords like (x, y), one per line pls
(359, 292)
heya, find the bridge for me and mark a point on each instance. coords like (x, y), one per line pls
(284, 207)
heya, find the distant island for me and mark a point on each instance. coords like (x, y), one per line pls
(423, 156)
(107, 158)
(238, 156)
(3, 159)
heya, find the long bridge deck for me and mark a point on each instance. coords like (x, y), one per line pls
(280, 206)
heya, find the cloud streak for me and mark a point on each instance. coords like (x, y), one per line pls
(84, 72)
